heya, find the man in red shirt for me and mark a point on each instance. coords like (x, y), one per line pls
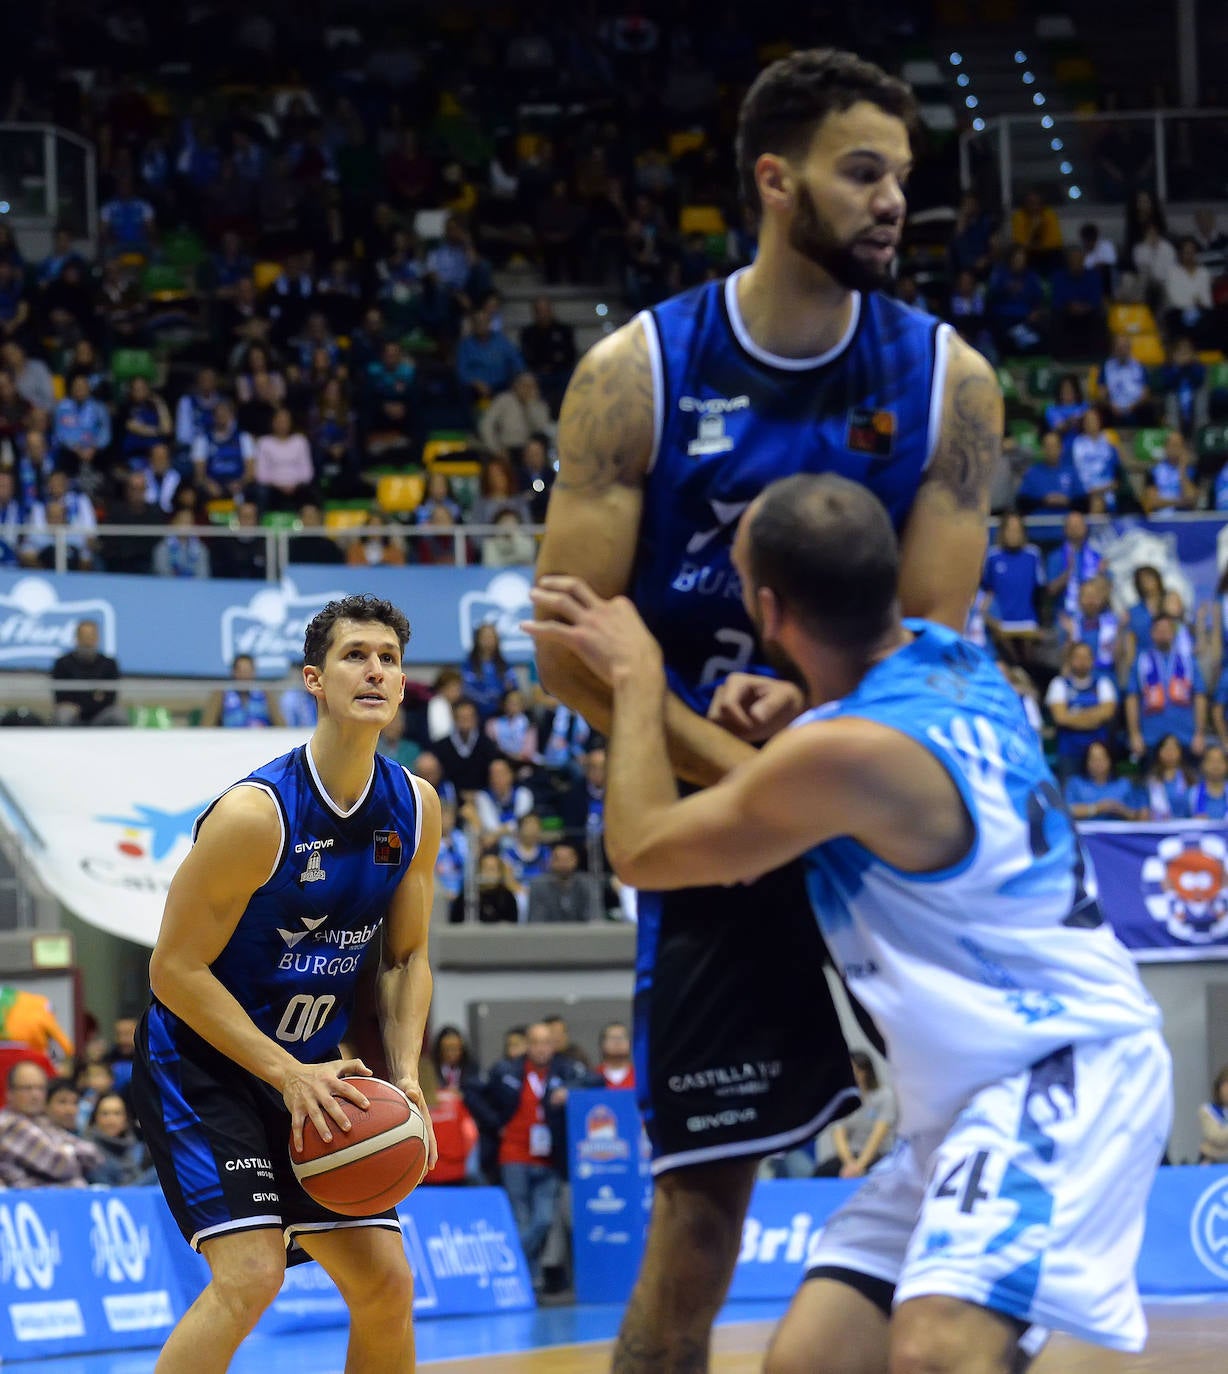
(616, 1066)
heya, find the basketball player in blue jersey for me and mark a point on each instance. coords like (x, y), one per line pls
(1034, 1085)
(670, 428)
(294, 872)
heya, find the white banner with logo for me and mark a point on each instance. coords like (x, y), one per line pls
(105, 816)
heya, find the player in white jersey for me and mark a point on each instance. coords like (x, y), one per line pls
(1035, 1087)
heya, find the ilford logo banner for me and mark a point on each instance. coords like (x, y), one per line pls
(1184, 884)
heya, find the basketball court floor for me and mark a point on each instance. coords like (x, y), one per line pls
(1186, 1338)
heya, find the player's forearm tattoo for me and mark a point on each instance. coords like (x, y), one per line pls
(971, 443)
(605, 419)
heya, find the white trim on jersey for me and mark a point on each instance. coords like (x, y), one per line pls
(342, 1223)
(764, 1145)
(742, 334)
(942, 350)
(281, 821)
(653, 339)
(417, 791)
(332, 805)
(242, 1224)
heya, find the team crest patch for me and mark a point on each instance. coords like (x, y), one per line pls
(871, 431)
(1184, 887)
(388, 848)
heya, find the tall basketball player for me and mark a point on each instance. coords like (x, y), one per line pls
(670, 428)
(293, 873)
(1035, 1088)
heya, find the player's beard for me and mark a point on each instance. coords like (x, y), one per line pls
(812, 235)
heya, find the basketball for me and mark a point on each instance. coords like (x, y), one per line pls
(374, 1165)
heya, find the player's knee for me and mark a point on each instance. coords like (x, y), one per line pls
(942, 1336)
(247, 1284)
(386, 1288)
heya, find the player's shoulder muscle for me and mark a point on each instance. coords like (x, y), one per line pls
(970, 434)
(240, 841)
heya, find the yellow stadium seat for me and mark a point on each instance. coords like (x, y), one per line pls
(684, 141)
(400, 492)
(1113, 437)
(1147, 349)
(440, 448)
(220, 512)
(1073, 70)
(1093, 381)
(264, 274)
(1210, 356)
(701, 219)
(455, 466)
(59, 388)
(1131, 319)
(346, 519)
(528, 146)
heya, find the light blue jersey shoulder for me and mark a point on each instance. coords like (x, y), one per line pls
(731, 419)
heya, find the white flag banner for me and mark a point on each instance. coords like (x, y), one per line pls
(105, 816)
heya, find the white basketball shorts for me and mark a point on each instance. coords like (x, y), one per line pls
(1033, 1202)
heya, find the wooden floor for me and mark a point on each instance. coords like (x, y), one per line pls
(1185, 1339)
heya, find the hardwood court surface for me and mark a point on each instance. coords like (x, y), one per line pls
(1185, 1339)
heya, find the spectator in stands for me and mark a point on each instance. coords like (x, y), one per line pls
(82, 426)
(501, 803)
(1050, 485)
(73, 512)
(968, 310)
(1083, 705)
(127, 221)
(121, 307)
(444, 548)
(453, 853)
(242, 708)
(486, 362)
(14, 305)
(283, 468)
(84, 663)
(194, 413)
(31, 376)
(1127, 395)
(1013, 577)
(1080, 324)
(394, 744)
(447, 690)
(564, 894)
(391, 388)
(63, 1102)
(1035, 228)
(145, 421)
(125, 1161)
(1169, 483)
(549, 350)
(259, 379)
(1154, 257)
(310, 544)
(131, 553)
(1094, 624)
(1065, 415)
(513, 417)
(496, 894)
(1182, 379)
(1166, 785)
(863, 1138)
(94, 1078)
(224, 456)
(1166, 694)
(511, 547)
(525, 856)
(486, 673)
(497, 493)
(1096, 462)
(513, 730)
(1209, 795)
(456, 266)
(1072, 563)
(565, 1044)
(34, 1152)
(1187, 293)
(1213, 1122)
(16, 511)
(466, 754)
(616, 1067)
(182, 554)
(1099, 255)
(66, 312)
(969, 247)
(1017, 306)
(560, 223)
(438, 493)
(62, 253)
(1149, 602)
(537, 477)
(331, 430)
(1096, 792)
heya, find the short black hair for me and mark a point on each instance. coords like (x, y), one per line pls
(827, 549)
(792, 97)
(59, 1086)
(364, 608)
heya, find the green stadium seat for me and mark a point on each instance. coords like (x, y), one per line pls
(127, 363)
(1212, 443)
(150, 717)
(279, 520)
(1149, 445)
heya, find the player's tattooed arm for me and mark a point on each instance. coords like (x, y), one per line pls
(944, 540)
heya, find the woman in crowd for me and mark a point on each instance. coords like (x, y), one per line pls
(486, 673)
(1209, 795)
(1149, 589)
(513, 730)
(146, 421)
(1065, 415)
(438, 493)
(124, 1158)
(1213, 1120)
(865, 1137)
(1166, 788)
(1096, 793)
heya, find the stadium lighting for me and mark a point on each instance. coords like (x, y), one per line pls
(1038, 99)
(971, 101)
(1028, 78)
(602, 311)
(1065, 169)
(1047, 122)
(1074, 193)
(1056, 144)
(962, 79)
(956, 59)
(1021, 56)
(5, 207)
(978, 124)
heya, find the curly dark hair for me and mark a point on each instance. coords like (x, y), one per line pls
(364, 608)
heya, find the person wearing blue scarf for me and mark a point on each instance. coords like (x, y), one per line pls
(1166, 788)
(1166, 693)
(1072, 563)
(1209, 795)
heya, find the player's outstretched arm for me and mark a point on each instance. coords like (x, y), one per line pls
(405, 983)
(942, 553)
(606, 436)
(234, 854)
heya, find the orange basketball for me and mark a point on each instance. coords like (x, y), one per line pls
(374, 1165)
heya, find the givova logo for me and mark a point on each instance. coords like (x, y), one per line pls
(29, 1253)
(504, 603)
(36, 627)
(270, 627)
(120, 1246)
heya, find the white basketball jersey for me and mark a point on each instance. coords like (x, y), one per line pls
(978, 971)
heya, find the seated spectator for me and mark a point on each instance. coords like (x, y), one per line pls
(283, 468)
(66, 308)
(127, 221)
(967, 310)
(131, 553)
(246, 552)
(94, 1078)
(525, 855)
(438, 493)
(1148, 603)
(1083, 705)
(14, 306)
(62, 253)
(446, 547)
(453, 851)
(84, 663)
(567, 736)
(1209, 795)
(1166, 785)
(394, 745)
(513, 417)
(1072, 563)
(1213, 1123)
(1095, 792)
(17, 511)
(863, 1138)
(564, 894)
(456, 266)
(466, 754)
(1187, 293)
(66, 509)
(257, 368)
(63, 1104)
(377, 550)
(487, 362)
(310, 544)
(537, 478)
(242, 708)
(1099, 255)
(1123, 380)
(31, 376)
(144, 422)
(1017, 306)
(511, 547)
(1013, 577)
(243, 320)
(1169, 483)
(486, 673)
(182, 555)
(34, 1152)
(1183, 379)
(1154, 257)
(497, 494)
(125, 1161)
(549, 350)
(1165, 694)
(969, 246)
(390, 384)
(161, 479)
(121, 307)
(194, 413)
(512, 729)
(331, 430)
(224, 456)
(616, 1067)
(496, 896)
(1094, 624)
(1080, 324)
(1065, 415)
(82, 428)
(1035, 229)
(502, 802)
(1096, 462)
(446, 691)
(1051, 485)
